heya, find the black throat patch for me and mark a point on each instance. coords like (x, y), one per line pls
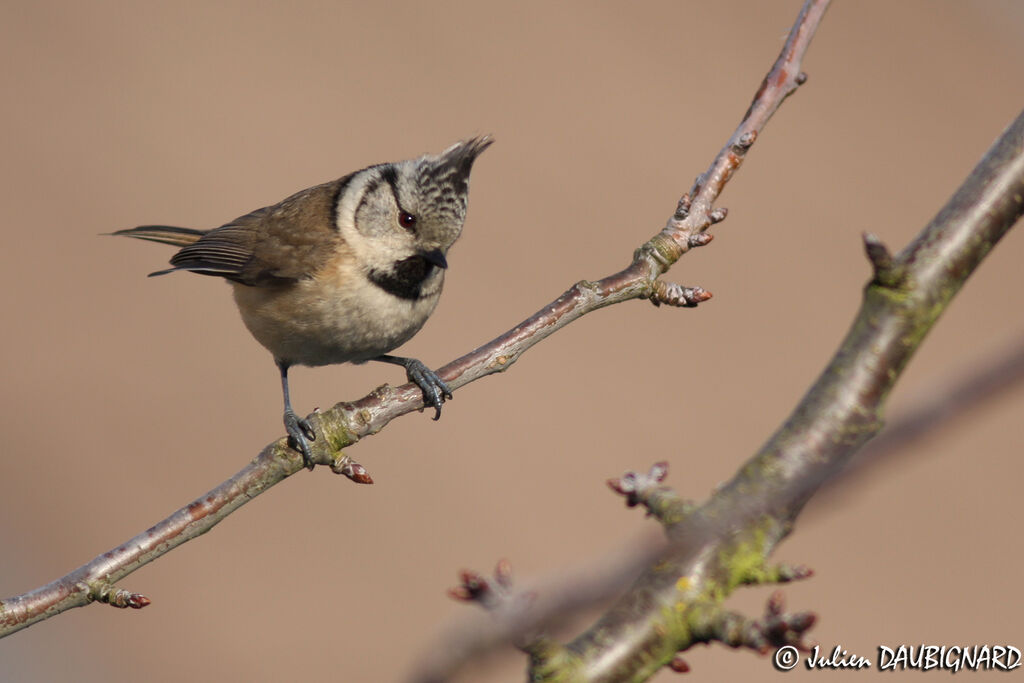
(405, 279)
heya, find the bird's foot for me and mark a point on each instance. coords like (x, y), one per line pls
(300, 434)
(435, 391)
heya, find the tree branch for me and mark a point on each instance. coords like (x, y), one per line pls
(726, 542)
(979, 385)
(346, 423)
(564, 596)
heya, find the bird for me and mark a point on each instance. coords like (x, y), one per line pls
(345, 271)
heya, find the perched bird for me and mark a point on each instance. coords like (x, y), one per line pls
(340, 272)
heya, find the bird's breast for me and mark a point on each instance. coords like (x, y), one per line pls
(338, 316)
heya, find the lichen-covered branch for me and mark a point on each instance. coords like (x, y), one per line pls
(726, 542)
(566, 595)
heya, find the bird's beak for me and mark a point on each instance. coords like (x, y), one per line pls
(436, 257)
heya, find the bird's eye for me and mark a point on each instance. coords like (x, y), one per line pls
(407, 220)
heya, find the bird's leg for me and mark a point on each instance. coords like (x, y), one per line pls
(435, 391)
(300, 432)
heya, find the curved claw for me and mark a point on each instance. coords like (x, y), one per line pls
(300, 433)
(435, 391)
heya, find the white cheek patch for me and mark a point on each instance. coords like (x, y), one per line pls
(370, 252)
(345, 214)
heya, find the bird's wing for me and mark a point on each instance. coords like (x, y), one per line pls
(275, 245)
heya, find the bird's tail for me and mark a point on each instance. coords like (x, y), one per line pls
(165, 234)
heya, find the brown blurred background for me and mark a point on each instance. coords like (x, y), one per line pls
(123, 398)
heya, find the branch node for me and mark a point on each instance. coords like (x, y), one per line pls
(471, 587)
(350, 468)
(635, 486)
(110, 594)
(662, 248)
(801, 78)
(336, 427)
(774, 629)
(777, 628)
(645, 488)
(718, 215)
(744, 142)
(700, 239)
(877, 252)
(489, 594)
(683, 208)
(497, 597)
(676, 295)
(887, 272)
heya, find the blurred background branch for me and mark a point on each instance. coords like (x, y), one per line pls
(677, 601)
(562, 597)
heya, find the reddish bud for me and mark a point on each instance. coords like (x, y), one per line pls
(353, 470)
(460, 593)
(137, 601)
(700, 239)
(678, 664)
